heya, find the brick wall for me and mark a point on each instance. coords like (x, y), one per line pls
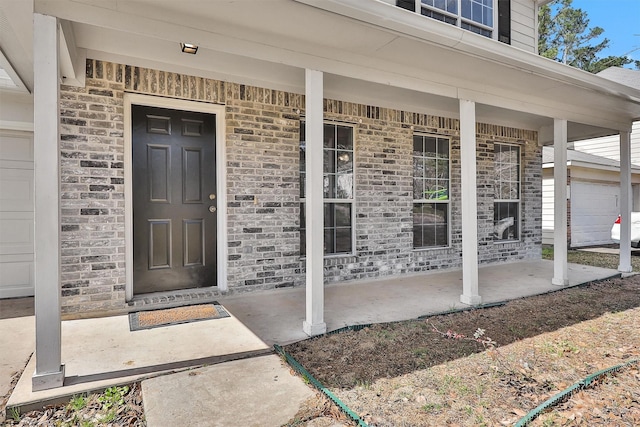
(262, 142)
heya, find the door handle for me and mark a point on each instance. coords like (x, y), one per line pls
(212, 209)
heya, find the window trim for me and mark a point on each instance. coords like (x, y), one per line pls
(424, 201)
(460, 19)
(519, 200)
(352, 201)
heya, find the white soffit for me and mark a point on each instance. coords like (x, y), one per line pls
(9, 79)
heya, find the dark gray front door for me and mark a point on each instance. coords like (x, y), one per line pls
(174, 199)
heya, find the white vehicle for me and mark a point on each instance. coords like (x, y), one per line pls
(635, 230)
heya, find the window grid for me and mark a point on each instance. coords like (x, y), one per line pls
(473, 15)
(507, 183)
(338, 189)
(431, 180)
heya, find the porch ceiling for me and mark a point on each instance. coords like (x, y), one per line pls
(404, 59)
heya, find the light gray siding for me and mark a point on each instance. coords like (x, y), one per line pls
(609, 146)
(523, 25)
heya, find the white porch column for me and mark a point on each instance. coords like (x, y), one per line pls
(49, 371)
(314, 210)
(468, 161)
(625, 203)
(560, 268)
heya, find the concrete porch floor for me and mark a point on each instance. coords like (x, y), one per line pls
(277, 316)
(102, 352)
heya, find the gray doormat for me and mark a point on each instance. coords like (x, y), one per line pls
(176, 315)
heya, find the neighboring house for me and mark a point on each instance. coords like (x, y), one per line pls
(593, 168)
(594, 197)
(188, 149)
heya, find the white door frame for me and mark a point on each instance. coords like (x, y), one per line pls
(221, 183)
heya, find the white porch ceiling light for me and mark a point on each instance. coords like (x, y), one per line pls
(189, 48)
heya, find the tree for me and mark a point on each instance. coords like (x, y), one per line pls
(566, 37)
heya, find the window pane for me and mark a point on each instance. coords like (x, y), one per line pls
(443, 169)
(418, 188)
(329, 218)
(417, 145)
(345, 137)
(466, 9)
(302, 186)
(343, 240)
(440, 4)
(418, 166)
(452, 6)
(345, 161)
(329, 136)
(505, 220)
(430, 225)
(329, 165)
(343, 214)
(430, 146)
(329, 246)
(430, 170)
(430, 189)
(345, 186)
(329, 184)
(443, 148)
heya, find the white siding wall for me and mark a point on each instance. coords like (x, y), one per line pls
(523, 25)
(609, 146)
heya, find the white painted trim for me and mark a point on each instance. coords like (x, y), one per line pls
(625, 203)
(19, 126)
(560, 267)
(221, 178)
(49, 371)
(314, 206)
(469, 203)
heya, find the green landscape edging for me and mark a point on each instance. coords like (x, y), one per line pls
(582, 384)
(305, 374)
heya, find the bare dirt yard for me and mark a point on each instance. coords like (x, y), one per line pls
(434, 372)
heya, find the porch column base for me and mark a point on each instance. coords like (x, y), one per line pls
(560, 282)
(313, 329)
(625, 268)
(470, 299)
(47, 381)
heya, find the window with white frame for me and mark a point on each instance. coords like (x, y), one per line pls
(338, 188)
(431, 182)
(506, 204)
(472, 15)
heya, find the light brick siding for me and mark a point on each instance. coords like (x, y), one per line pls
(262, 143)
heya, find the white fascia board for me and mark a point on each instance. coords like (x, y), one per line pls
(383, 15)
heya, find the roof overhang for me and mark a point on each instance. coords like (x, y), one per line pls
(370, 52)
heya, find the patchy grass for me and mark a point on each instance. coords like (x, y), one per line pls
(409, 374)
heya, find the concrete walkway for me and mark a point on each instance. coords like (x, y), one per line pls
(102, 352)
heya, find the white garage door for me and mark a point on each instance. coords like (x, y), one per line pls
(16, 214)
(594, 208)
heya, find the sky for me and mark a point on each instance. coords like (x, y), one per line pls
(620, 20)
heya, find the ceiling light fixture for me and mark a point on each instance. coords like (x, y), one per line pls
(189, 48)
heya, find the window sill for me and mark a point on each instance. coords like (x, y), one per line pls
(500, 242)
(436, 248)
